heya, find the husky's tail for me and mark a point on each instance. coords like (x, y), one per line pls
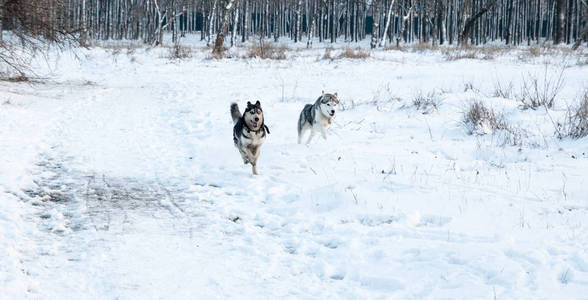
(235, 114)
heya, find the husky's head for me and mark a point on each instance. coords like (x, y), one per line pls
(253, 116)
(328, 104)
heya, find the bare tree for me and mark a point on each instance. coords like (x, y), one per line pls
(220, 36)
(560, 19)
(472, 20)
(33, 29)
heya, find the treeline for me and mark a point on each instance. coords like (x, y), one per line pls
(383, 21)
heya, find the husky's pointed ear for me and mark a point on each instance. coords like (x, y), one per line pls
(257, 103)
(248, 103)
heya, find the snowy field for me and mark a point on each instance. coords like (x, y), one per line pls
(119, 180)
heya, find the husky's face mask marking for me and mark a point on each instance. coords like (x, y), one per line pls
(329, 105)
(253, 116)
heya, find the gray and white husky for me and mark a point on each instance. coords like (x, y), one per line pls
(318, 116)
(249, 132)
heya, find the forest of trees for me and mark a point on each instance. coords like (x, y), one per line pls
(383, 21)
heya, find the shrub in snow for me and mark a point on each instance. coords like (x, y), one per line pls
(354, 53)
(503, 90)
(265, 50)
(576, 125)
(480, 120)
(178, 51)
(426, 103)
(537, 92)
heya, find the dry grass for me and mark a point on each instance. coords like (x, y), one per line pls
(350, 53)
(547, 49)
(354, 53)
(537, 92)
(14, 78)
(328, 55)
(503, 90)
(179, 52)
(421, 47)
(480, 120)
(392, 46)
(426, 103)
(117, 48)
(265, 50)
(576, 125)
(487, 52)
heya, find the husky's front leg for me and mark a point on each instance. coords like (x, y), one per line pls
(324, 132)
(312, 132)
(244, 156)
(254, 168)
(254, 152)
(321, 128)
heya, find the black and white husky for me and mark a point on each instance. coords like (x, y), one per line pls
(318, 116)
(249, 132)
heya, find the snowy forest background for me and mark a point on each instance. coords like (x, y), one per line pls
(384, 21)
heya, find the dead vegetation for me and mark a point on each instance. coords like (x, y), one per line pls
(472, 52)
(547, 49)
(14, 78)
(576, 123)
(264, 50)
(426, 103)
(354, 53)
(536, 92)
(328, 55)
(503, 90)
(422, 47)
(348, 52)
(179, 52)
(480, 120)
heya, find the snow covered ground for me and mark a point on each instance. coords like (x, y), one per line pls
(119, 179)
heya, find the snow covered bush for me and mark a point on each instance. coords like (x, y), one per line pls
(576, 125)
(426, 103)
(480, 120)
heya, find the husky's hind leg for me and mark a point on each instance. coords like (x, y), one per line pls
(301, 133)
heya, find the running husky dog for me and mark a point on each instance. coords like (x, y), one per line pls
(249, 132)
(318, 116)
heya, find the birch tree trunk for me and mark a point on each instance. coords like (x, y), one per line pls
(385, 34)
(375, 25)
(245, 26)
(220, 36)
(235, 24)
(211, 22)
(298, 21)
